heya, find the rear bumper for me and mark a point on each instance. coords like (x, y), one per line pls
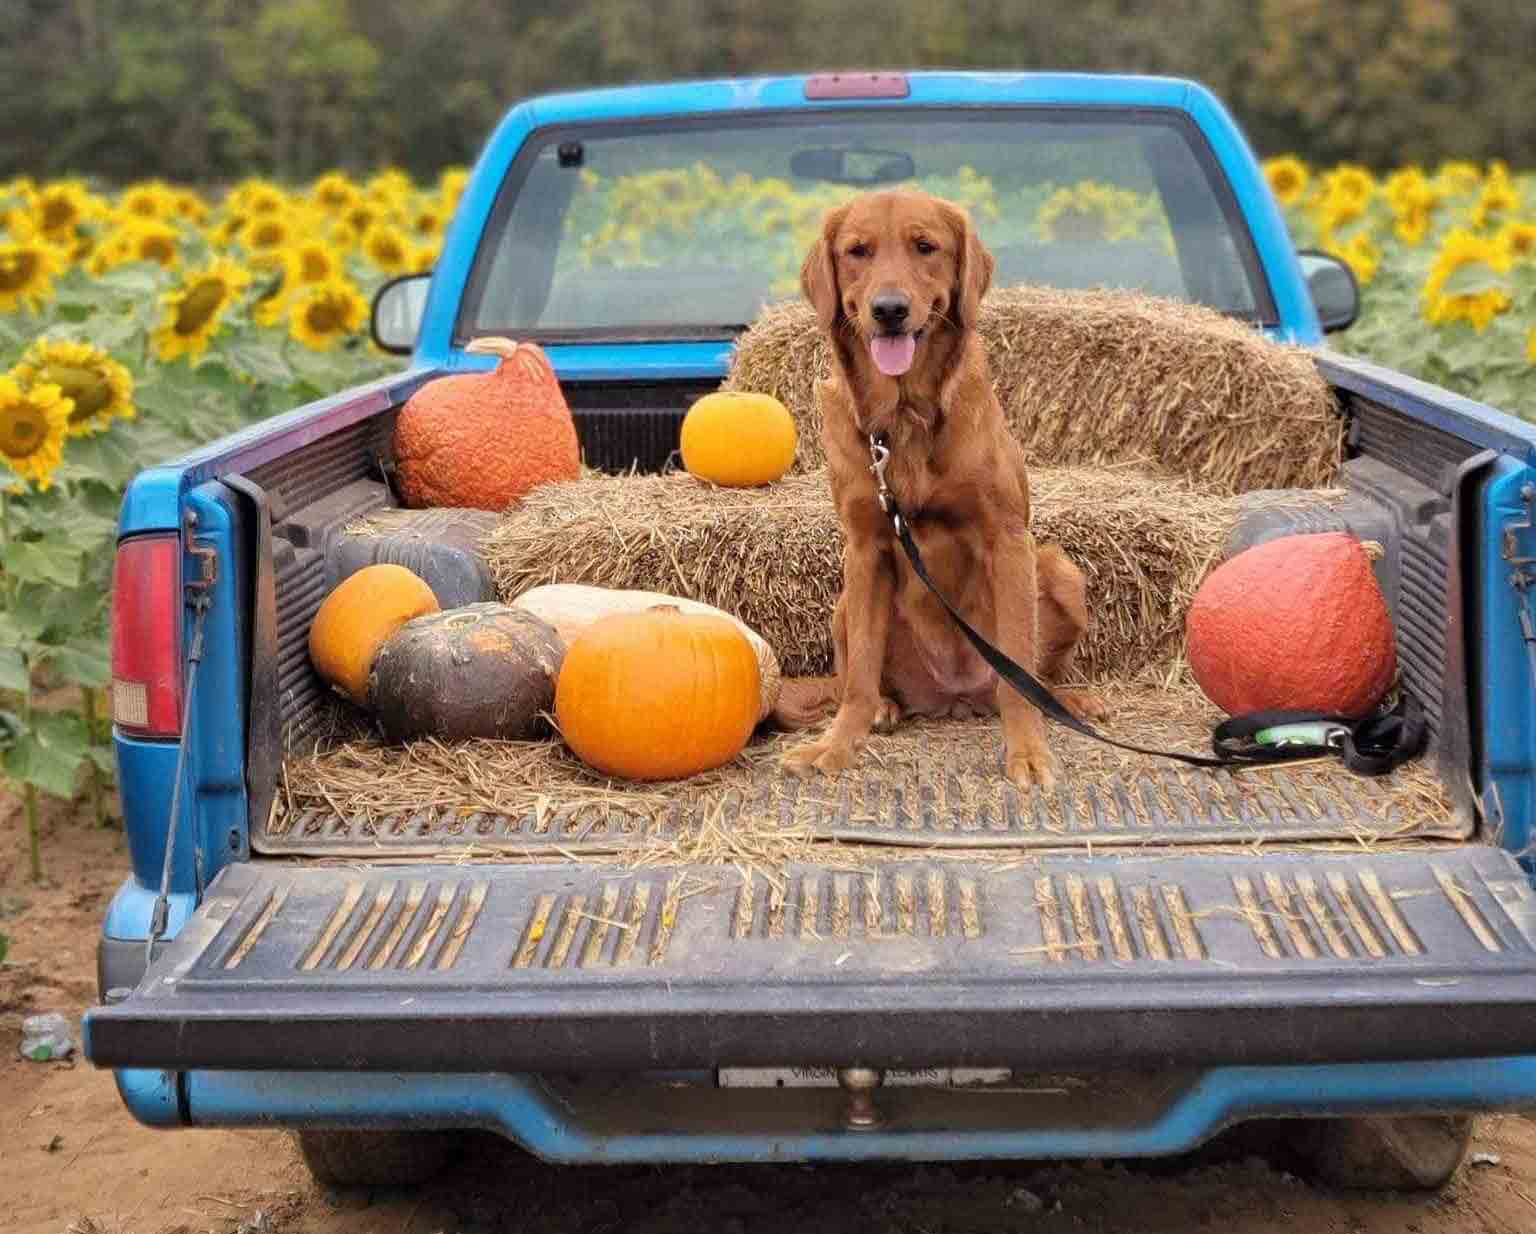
(613, 1123)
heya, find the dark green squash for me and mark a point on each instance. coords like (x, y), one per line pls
(484, 670)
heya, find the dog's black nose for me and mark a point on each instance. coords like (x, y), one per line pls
(890, 309)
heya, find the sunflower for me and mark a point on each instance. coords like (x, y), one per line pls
(1476, 296)
(427, 222)
(391, 185)
(334, 192)
(452, 183)
(62, 206)
(1458, 178)
(100, 389)
(1351, 184)
(1362, 254)
(227, 230)
(1288, 179)
(323, 314)
(357, 218)
(111, 251)
(257, 196)
(194, 310)
(274, 275)
(388, 249)
(27, 268)
(312, 262)
(190, 207)
(33, 423)
(148, 199)
(1078, 214)
(1499, 197)
(267, 233)
(22, 191)
(1518, 240)
(154, 241)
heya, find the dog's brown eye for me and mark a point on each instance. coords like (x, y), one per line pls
(927, 246)
(858, 250)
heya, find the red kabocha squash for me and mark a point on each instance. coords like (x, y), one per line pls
(483, 440)
(1297, 624)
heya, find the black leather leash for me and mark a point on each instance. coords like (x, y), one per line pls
(1373, 746)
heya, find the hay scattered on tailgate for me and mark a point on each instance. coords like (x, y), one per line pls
(1104, 376)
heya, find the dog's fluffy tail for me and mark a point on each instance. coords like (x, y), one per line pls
(803, 701)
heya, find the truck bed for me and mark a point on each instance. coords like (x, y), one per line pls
(917, 911)
(931, 784)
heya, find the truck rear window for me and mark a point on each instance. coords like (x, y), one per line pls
(687, 228)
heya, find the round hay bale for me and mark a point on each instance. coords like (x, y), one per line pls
(772, 557)
(1104, 377)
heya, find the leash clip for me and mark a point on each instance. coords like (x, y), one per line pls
(880, 456)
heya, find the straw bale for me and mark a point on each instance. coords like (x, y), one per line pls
(772, 556)
(1103, 377)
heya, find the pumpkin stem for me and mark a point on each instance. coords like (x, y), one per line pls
(665, 608)
(493, 345)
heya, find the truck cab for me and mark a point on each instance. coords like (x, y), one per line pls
(981, 981)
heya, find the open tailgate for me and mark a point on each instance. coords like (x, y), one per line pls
(1039, 962)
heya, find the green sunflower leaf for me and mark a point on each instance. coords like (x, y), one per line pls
(48, 757)
(13, 670)
(260, 360)
(39, 561)
(81, 664)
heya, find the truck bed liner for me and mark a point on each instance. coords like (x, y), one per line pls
(932, 783)
(1110, 960)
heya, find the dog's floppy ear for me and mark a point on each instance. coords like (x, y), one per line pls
(973, 269)
(818, 276)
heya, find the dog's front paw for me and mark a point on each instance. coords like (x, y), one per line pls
(887, 715)
(1084, 703)
(826, 756)
(1031, 768)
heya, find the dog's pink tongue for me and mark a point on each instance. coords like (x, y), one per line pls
(893, 353)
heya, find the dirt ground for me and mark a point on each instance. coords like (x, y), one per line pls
(72, 1160)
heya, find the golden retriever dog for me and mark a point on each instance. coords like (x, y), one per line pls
(896, 280)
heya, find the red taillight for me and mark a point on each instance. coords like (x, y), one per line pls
(857, 86)
(146, 636)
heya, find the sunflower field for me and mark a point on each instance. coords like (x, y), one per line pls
(135, 325)
(1446, 262)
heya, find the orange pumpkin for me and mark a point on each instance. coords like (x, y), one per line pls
(358, 618)
(483, 440)
(1297, 624)
(658, 695)
(738, 439)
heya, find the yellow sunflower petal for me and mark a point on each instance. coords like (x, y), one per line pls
(33, 423)
(100, 389)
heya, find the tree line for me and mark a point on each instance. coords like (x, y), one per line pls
(210, 90)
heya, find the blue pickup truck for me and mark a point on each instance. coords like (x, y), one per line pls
(1092, 998)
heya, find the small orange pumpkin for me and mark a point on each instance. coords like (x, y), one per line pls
(483, 440)
(1297, 624)
(358, 618)
(658, 695)
(734, 438)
